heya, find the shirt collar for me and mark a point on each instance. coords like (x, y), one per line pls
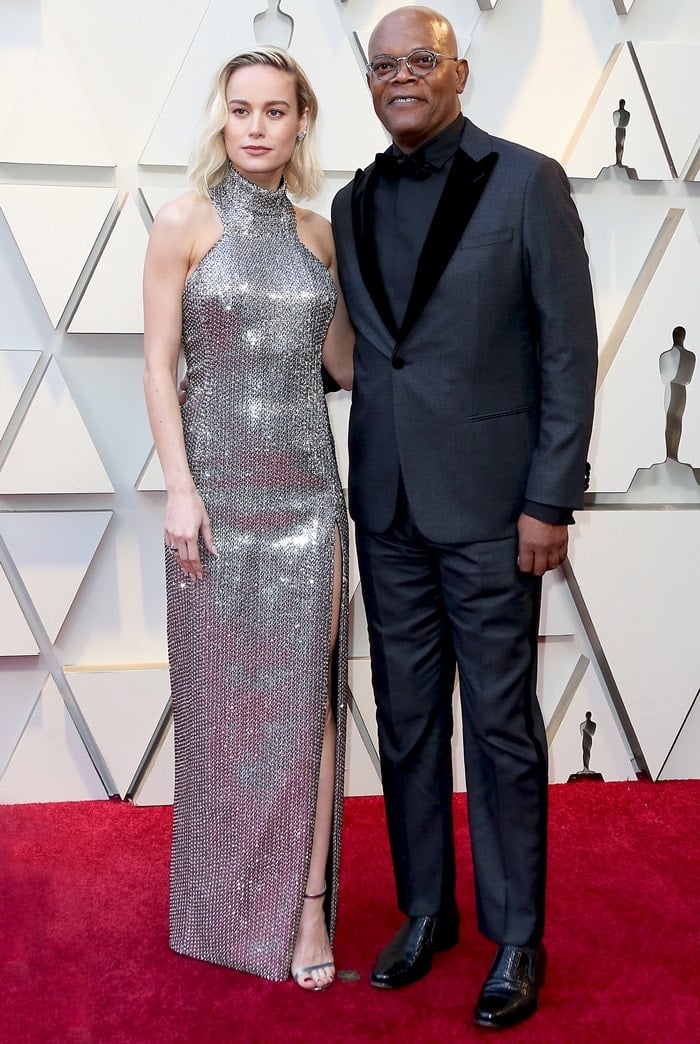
(443, 146)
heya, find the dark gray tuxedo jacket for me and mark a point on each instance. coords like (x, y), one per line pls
(484, 397)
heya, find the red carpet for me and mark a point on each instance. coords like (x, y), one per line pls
(84, 956)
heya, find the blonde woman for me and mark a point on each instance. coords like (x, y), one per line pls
(245, 283)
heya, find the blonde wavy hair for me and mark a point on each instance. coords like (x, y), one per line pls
(209, 159)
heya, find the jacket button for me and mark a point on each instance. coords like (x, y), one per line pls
(397, 362)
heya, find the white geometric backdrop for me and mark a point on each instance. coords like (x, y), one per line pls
(97, 107)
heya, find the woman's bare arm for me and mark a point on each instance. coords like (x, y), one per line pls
(175, 241)
(316, 233)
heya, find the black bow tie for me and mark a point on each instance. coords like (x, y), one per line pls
(394, 166)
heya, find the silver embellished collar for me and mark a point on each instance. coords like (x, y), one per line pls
(235, 192)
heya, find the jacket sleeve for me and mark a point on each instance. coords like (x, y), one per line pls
(564, 331)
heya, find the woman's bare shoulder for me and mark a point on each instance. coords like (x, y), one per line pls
(185, 227)
(316, 232)
(185, 212)
(312, 219)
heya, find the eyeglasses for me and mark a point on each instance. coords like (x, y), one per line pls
(419, 63)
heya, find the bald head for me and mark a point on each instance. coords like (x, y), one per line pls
(414, 18)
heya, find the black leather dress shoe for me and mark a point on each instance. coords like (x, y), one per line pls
(409, 955)
(509, 994)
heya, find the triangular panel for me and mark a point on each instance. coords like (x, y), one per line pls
(16, 638)
(19, 56)
(578, 692)
(322, 47)
(630, 419)
(52, 551)
(151, 477)
(555, 617)
(53, 451)
(672, 74)
(623, 230)
(358, 639)
(112, 302)
(360, 681)
(50, 762)
(361, 778)
(48, 125)
(592, 149)
(560, 671)
(684, 760)
(349, 133)
(22, 687)
(159, 783)
(645, 617)
(15, 370)
(55, 227)
(607, 756)
(218, 37)
(122, 708)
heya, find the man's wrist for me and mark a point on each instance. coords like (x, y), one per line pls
(556, 516)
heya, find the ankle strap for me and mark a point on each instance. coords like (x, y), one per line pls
(318, 895)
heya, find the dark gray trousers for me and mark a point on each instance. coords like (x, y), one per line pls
(431, 607)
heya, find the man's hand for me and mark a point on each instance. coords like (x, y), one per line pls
(541, 545)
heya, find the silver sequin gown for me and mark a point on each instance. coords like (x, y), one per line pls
(249, 645)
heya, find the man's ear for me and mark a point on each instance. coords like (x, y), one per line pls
(462, 73)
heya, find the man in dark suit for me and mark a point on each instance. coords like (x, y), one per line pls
(462, 262)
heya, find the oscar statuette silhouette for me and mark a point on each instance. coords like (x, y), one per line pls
(587, 728)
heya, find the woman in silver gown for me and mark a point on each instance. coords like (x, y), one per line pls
(255, 529)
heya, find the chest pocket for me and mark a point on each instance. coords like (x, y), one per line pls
(488, 238)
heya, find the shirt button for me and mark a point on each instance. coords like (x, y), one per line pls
(398, 363)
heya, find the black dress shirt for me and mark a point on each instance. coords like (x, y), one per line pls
(403, 210)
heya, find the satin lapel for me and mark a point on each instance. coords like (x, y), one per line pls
(465, 183)
(362, 192)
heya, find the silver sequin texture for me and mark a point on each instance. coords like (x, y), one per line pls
(249, 644)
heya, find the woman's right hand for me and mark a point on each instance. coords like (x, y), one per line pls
(185, 519)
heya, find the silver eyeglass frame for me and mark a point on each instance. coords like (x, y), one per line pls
(406, 59)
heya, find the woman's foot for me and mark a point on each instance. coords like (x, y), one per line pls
(313, 967)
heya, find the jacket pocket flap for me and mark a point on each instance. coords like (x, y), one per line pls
(477, 239)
